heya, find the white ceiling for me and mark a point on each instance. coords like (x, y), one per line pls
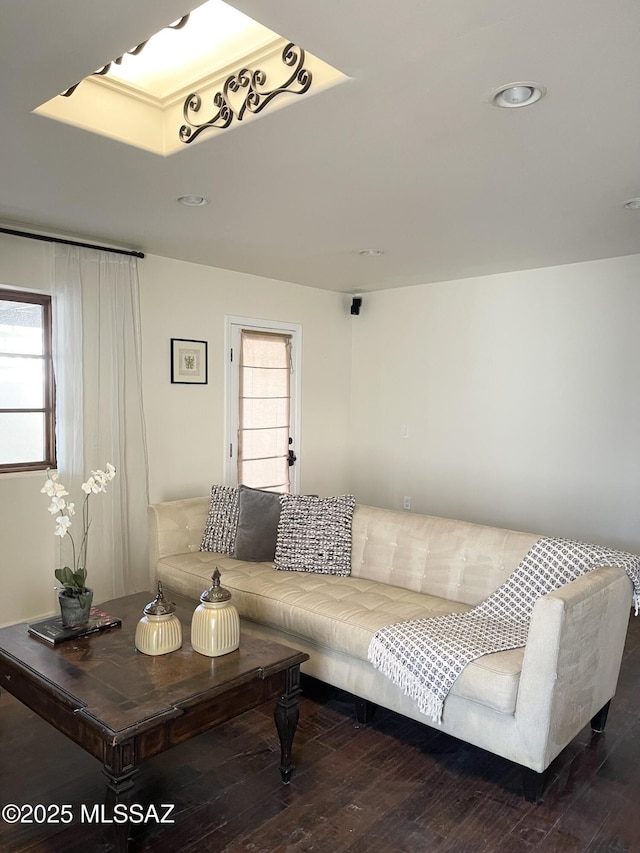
(407, 157)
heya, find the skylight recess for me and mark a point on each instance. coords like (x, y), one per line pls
(217, 69)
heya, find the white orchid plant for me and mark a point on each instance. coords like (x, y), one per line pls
(73, 578)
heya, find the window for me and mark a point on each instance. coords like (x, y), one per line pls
(27, 421)
(262, 404)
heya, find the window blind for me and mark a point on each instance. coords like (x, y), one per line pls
(264, 417)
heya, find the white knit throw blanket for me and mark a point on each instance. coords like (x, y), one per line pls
(425, 656)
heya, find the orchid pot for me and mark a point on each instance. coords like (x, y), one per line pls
(75, 607)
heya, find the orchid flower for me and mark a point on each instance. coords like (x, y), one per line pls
(57, 505)
(62, 510)
(91, 486)
(52, 488)
(63, 523)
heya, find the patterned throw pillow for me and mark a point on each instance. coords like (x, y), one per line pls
(220, 530)
(314, 534)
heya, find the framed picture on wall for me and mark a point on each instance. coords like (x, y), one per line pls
(188, 362)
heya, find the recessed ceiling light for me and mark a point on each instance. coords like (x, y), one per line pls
(517, 95)
(193, 200)
(632, 204)
(370, 253)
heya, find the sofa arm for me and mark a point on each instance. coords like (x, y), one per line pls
(175, 527)
(572, 659)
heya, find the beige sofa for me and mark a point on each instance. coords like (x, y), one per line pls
(523, 704)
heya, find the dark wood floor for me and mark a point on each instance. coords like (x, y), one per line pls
(394, 785)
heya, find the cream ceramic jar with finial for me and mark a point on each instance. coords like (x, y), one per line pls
(215, 625)
(159, 631)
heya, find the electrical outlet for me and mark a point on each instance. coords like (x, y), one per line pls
(407, 502)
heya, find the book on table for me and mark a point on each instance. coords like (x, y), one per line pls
(52, 630)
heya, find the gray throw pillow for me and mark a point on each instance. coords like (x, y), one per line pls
(314, 534)
(220, 530)
(258, 517)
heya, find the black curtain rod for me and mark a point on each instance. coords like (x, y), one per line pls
(46, 239)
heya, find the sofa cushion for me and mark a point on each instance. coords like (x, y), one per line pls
(492, 680)
(220, 530)
(440, 556)
(339, 613)
(314, 534)
(257, 529)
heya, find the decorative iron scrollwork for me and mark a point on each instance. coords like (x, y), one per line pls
(133, 52)
(256, 97)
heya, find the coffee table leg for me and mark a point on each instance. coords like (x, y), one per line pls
(119, 768)
(286, 716)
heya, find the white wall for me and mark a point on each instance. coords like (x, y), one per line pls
(521, 393)
(185, 423)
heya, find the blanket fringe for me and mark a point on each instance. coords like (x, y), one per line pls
(428, 702)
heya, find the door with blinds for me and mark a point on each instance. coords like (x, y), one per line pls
(262, 405)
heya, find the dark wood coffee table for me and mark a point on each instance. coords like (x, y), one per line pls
(123, 707)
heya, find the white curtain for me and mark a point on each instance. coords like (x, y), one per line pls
(99, 412)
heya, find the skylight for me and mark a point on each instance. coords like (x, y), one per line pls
(216, 35)
(193, 79)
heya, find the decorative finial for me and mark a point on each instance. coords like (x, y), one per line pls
(215, 593)
(159, 606)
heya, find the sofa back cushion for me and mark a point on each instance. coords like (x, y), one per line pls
(452, 559)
